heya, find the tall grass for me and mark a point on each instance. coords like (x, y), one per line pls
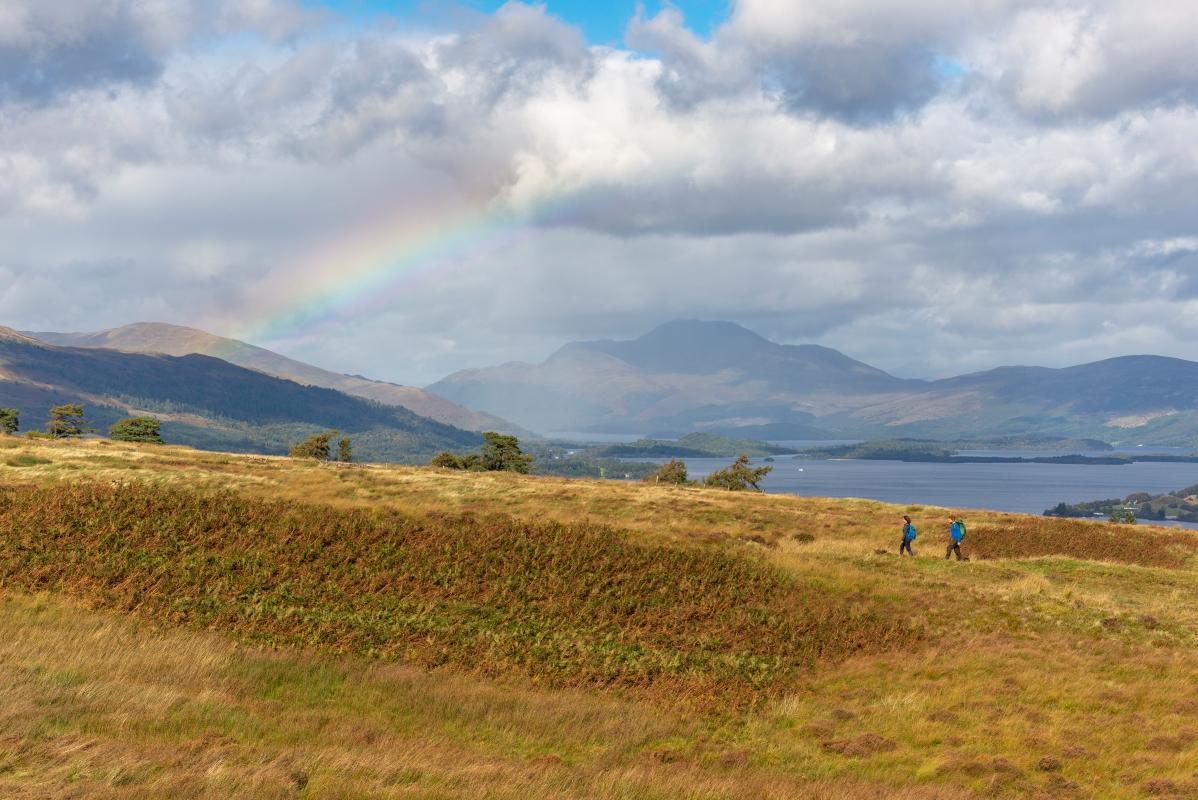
(1028, 537)
(566, 605)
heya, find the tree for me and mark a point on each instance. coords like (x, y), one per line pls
(136, 429)
(315, 447)
(672, 473)
(8, 421)
(345, 451)
(503, 453)
(67, 422)
(737, 476)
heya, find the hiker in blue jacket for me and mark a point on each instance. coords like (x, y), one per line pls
(956, 530)
(908, 537)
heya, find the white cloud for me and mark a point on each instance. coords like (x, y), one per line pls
(814, 170)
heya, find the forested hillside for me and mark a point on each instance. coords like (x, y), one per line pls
(208, 403)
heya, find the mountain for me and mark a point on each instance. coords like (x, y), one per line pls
(175, 340)
(682, 376)
(207, 402)
(718, 377)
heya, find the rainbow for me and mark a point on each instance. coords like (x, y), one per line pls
(381, 265)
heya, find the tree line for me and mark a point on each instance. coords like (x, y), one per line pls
(502, 453)
(498, 453)
(67, 422)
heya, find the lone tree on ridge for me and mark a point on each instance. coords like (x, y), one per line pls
(737, 476)
(670, 473)
(8, 421)
(67, 422)
(503, 453)
(319, 447)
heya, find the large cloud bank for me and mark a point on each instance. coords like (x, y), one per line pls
(931, 186)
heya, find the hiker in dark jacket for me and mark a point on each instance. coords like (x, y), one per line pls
(908, 537)
(956, 530)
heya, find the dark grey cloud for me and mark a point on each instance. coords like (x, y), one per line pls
(858, 75)
(48, 49)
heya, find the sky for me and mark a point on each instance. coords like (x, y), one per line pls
(402, 190)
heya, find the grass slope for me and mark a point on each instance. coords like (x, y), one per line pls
(572, 606)
(1065, 664)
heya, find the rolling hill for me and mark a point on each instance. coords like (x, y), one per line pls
(207, 402)
(185, 624)
(687, 376)
(176, 340)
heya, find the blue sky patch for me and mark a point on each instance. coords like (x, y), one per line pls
(603, 23)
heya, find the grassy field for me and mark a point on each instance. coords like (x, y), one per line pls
(177, 623)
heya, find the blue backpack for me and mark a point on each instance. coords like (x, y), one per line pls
(912, 536)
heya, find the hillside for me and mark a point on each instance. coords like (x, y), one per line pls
(688, 376)
(264, 627)
(175, 340)
(207, 402)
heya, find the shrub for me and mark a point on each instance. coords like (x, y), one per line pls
(738, 476)
(447, 460)
(136, 429)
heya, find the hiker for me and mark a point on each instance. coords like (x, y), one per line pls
(908, 537)
(956, 529)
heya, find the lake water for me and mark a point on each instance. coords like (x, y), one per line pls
(1022, 488)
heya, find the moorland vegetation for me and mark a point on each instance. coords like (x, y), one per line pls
(181, 623)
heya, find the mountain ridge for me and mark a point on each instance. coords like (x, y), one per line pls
(207, 402)
(178, 340)
(690, 375)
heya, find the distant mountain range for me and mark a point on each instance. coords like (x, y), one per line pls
(687, 376)
(209, 403)
(175, 340)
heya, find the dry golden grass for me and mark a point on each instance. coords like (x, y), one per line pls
(1043, 673)
(579, 605)
(97, 707)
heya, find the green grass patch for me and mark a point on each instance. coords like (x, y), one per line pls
(25, 460)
